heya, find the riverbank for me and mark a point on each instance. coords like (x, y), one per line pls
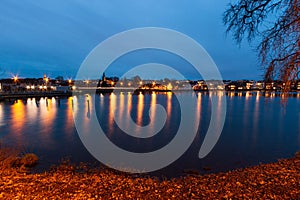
(25, 95)
(279, 180)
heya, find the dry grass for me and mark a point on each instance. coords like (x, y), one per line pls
(13, 158)
(279, 180)
(8, 156)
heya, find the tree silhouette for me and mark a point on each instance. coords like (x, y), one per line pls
(277, 24)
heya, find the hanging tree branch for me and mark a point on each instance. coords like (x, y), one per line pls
(280, 40)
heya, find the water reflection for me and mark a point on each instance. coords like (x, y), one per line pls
(138, 114)
(140, 109)
(122, 103)
(129, 107)
(198, 111)
(231, 94)
(18, 117)
(46, 120)
(256, 115)
(248, 94)
(111, 111)
(88, 112)
(1, 115)
(68, 125)
(48, 110)
(31, 110)
(246, 109)
(255, 129)
(169, 103)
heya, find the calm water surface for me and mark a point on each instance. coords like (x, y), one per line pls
(258, 129)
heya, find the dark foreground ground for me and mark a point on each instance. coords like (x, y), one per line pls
(280, 180)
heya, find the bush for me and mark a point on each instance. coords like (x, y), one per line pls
(29, 160)
(8, 157)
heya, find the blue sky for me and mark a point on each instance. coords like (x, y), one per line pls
(54, 36)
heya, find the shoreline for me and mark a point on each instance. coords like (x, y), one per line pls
(26, 95)
(50, 94)
(278, 180)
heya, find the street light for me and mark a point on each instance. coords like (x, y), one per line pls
(87, 82)
(15, 78)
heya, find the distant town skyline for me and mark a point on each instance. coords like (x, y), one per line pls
(54, 37)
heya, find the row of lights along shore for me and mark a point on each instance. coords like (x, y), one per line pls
(44, 86)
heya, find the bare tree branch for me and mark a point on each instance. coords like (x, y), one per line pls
(279, 49)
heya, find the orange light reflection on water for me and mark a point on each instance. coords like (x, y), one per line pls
(198, 112)
(122, 106)
(246, 118)
(231, 94)
(69, 115)
(257, 96)
(112, 107)
(220, 106)
(256, 115)
(47, 116)
(32, 110)
(128, 108)
(153, 111)
(1, 115)
(18, 117)
(247, 95)
(169, 104)
(140, 109)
